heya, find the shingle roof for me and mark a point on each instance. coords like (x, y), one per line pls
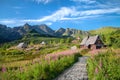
(20, 44)
(89, 40)
(43, 43)
(84, 40)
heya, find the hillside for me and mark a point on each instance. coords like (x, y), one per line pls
(8, 34)
(109, 35)
(26, 31)
(103, 30)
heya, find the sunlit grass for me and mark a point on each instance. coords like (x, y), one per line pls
(104, 66)
(45, 68)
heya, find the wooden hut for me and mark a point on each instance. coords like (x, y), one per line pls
(92, 42)
(22, 45)
(43, 43)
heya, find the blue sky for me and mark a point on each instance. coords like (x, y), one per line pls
(78, 14)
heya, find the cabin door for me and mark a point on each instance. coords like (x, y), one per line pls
(89, 46)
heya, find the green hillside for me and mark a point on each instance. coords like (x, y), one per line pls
(104, 30)
(109, 35)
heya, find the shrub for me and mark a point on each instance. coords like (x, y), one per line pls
(84, 51)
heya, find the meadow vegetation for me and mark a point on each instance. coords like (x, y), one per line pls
(45, 68)
(104, 66)
(44, 63)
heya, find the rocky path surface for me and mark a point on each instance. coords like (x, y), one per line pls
(77, 72)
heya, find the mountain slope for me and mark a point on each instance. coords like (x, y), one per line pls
(104, 30)
(47, 29)
(75, 33)
(60, 31)
(8, 34)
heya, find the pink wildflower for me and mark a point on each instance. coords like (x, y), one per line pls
(54, 57)
(4, 69)
(100, 63)
(59, 54)
(21, 69)
(96, 70)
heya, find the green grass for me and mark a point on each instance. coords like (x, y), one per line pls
(104, 30)
(18, 55)
(31, 64)
(44, 70)
(105, 66)
(34, 40)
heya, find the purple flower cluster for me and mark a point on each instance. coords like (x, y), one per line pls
(56, 56)
(4, 69)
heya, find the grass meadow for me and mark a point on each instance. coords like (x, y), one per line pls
(104, 66)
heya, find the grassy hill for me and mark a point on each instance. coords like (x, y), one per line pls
(109, 35)
(104, 30)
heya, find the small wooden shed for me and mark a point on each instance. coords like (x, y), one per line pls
(43, 43)
(92, 42)
(22, 45)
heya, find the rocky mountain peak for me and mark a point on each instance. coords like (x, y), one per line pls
(46, 29)
(27, 27)
(20, 31)
(60, 31)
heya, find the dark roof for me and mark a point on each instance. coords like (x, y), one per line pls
(89, 40)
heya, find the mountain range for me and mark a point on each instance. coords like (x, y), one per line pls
(10, 34)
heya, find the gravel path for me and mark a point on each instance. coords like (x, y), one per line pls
(76, 72)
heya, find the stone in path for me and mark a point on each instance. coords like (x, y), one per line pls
(77, 72)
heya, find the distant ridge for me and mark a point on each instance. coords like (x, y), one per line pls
(15, 33)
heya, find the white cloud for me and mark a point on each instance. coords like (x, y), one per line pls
(65, 13)
(58, 15)
(42, 1)
(98, 12)
(48, 23)
(84, 1)
(7, 21)
(82, 17)
(71, 13)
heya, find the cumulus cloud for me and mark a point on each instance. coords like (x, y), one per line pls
(42, 1)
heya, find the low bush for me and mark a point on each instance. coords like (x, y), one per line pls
(84, 51)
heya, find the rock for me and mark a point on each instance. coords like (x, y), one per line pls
(73, 47)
